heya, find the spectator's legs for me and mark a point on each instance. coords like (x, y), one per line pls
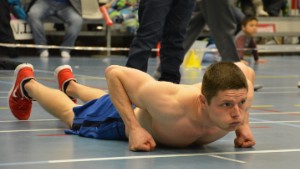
(194, 27)
(239, 17)
(73, 25)
(222, 25)
(36, 15)
(6, 34)
(248, 7)
(273, 7)
(172, 51)
(152, 16)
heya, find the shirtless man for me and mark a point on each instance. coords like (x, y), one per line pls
(165, 114)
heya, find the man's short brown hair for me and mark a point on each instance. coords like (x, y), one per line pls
(222, 76)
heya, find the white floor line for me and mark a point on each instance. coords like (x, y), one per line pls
(34, 120)
(149, 157)
(284, 123)
(275, 113)
(275, 122)
(278, 92)
(30, 130)
(228, 159)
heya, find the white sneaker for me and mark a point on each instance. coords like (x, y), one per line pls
(44, 54)
(65, 54)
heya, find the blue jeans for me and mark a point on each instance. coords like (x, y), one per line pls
(165, 21)
(42, 9)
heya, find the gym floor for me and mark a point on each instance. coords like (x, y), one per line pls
(40, 142)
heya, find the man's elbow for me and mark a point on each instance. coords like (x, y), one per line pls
(110, 70)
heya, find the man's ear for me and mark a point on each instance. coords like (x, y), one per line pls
(203, 100)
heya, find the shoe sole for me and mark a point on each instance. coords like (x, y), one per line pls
(58, 69)
(18, 68)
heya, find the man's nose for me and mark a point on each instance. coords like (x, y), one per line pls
(236, 112)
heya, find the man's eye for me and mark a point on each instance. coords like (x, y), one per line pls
(226, 104)
(243, 102)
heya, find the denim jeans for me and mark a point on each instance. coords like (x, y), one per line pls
(42, 9)
(165, 21)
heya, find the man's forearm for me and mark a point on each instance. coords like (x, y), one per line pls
(120, 97)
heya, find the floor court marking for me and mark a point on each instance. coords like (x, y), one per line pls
(262, 106)
(284, 123)
(257, 121)
(287, 87)
(274, 122)
(278, 92)
(276, 76)
(3, 108)
(36, 120)
(228, 159)
(149, 157)
(275, 113)
(30, 130)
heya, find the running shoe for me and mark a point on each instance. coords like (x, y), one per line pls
(20, 103)
(64, 75)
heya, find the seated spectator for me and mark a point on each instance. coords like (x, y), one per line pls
(6, 34)
(244, 40)
(69, 11)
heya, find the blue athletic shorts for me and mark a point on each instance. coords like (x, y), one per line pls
(98, 119)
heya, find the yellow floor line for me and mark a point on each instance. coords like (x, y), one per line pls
(261, 106)
(3, 108)
(278, 77)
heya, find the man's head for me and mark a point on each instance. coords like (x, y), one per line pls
(222, 76)
(224, 95)
(249, 25)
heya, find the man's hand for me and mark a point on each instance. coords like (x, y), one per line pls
(140, 140)
(244, 137)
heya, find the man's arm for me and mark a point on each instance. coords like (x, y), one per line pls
(124, 85)
(244, 136)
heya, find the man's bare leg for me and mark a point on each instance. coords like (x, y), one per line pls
(53, 101)
(84, 93)
(248, 71)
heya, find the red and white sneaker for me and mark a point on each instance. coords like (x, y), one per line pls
(64, 75)
(20, 103)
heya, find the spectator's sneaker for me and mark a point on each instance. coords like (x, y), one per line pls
(65, 54)
(20, 103)
(44, 54)
(257, 87)
(64, 75)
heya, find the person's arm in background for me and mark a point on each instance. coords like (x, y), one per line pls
(253, 46)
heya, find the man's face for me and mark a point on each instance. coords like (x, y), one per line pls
(250, 28)
(227, 109)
